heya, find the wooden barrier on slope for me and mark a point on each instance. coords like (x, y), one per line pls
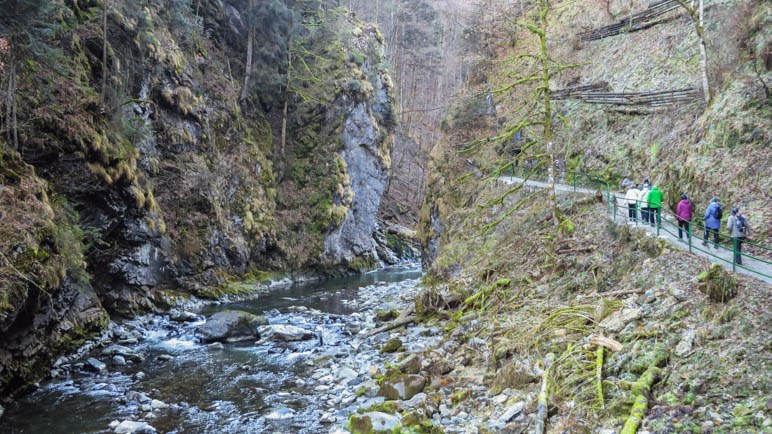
(591, 95)
(641, 20)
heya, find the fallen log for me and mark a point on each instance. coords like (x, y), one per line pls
(543, 399)
(405, 318)
(642, 390)
(617, 293)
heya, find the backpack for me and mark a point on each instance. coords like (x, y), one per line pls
(741, 224)
(718, 212)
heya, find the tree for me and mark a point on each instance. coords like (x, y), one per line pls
(534, 116)
(697, 15)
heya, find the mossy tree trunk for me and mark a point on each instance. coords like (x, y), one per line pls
(544, 61)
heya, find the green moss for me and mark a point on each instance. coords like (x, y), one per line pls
(392, 346)
(390, 407)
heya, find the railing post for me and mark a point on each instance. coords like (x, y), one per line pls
(637, 210)
(689, 235)
(658, 220)
(615, 209)
(734, 254)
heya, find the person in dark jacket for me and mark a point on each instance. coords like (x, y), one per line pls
(684, 212)
(712, 222)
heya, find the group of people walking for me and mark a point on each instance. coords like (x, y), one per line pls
(648, 200)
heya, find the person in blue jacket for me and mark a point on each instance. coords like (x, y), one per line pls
(712, 220)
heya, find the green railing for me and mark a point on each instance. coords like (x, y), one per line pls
(666, 221)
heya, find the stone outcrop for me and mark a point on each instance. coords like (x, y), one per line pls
(230, 326)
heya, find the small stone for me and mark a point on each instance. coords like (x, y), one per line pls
(286, 333)
(139, 376)
(392, 346)
(684, 347)
(618, 320)
(216, 346)
(165, 357)
(402, 387)
(511, 412)
(500, 399)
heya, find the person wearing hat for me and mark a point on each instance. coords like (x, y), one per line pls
(712, 221)
(684, 212)
(738, 230)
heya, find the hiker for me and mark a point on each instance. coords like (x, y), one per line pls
(712, 221)
(631, 197)
(646, 184)
(738, 230)
(655, 203)
(643, 201)
(684, 212)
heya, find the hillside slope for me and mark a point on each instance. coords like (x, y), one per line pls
(512, 290)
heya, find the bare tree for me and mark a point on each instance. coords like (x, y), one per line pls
(697, 15)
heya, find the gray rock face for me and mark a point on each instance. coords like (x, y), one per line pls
(230, 326)
(368, 174)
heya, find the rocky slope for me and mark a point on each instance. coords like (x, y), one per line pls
(159, 162)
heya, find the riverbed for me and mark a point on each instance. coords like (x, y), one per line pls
(169, 381)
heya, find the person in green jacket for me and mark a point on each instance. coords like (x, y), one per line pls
(655, 203)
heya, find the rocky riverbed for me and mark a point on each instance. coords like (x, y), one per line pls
(307, 368)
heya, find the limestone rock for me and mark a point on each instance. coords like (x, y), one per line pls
(373, 422)
(619, 319)
(230, 326)
(120, 350)
(402, 387)
(128, 426)
(286, 333)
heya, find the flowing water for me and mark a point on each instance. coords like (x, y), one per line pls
(239, 388)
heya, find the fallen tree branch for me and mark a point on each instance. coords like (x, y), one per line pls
(543, 399)
(616, 293)
(404, 318)
(599, 376)
(577, 250)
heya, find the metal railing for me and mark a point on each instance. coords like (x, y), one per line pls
(755, 258)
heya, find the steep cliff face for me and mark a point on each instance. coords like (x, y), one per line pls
(194, 145)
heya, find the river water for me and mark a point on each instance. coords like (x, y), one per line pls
(247, 387)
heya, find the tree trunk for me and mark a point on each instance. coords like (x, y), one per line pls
(250, 42)
(10, 106)
(104, 53)
(703, 54)
(286, 98)
(545, 84)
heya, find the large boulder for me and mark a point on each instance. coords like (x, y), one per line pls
(230, 326)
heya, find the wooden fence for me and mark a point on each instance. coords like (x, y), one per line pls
(598, 94)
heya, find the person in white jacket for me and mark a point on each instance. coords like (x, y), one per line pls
(631, 197)
(643, 202)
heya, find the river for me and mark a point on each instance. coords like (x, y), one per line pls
(183, 386)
